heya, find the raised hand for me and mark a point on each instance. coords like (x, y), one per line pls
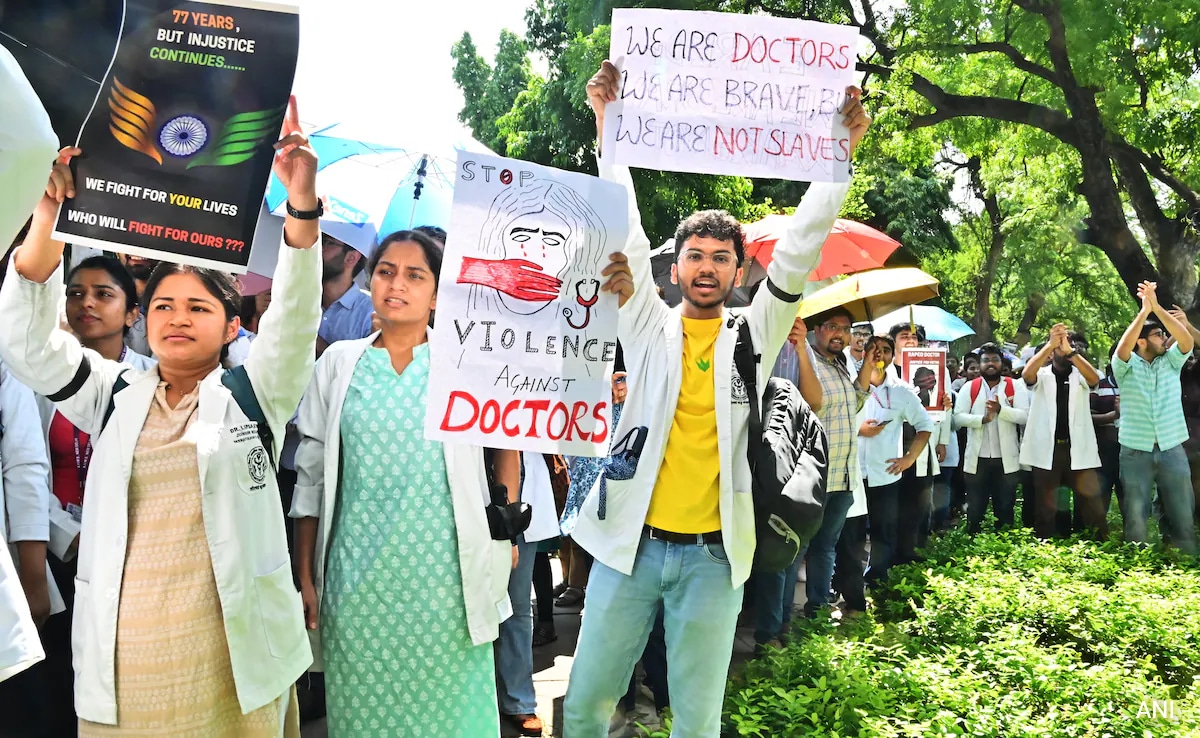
(602, 87)
(799, 333)
(1147, 292)
(855, 117)
(59, 187)
(295, 162)
(517, 278)
(620, 278)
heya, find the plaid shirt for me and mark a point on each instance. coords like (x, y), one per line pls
(840, 403)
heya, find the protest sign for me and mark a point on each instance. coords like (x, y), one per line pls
(925, 369)
(523, 342)
(725, 93)
(179, 142)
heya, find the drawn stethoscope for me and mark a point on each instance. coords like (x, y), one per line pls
(585, 303)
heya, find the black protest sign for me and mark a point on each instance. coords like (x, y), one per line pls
(179, 143)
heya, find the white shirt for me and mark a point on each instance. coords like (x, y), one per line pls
(990, 447)
(539, 493)
(895, 402)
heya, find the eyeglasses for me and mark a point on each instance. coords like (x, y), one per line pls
(835, 328)
(861, 334)
(720, 260)
(1155, 334)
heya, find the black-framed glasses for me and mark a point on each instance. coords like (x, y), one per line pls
(836, 328)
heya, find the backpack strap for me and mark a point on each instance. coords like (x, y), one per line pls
(237, 381)
(976, 384)
(746, 361)
(118, 385)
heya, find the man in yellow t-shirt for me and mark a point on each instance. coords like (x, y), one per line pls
(678, 537)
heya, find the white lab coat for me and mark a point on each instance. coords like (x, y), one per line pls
(63, 526)
(27, 147)
(652, 340)
(1013, 414)
(263, 617)
(25, 491)
(485, 563)
(1037, 449)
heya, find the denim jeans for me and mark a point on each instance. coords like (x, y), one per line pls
(774, 597)
(691, 583)
(1140, 470)
(654, 663)
(989, 483)
(514, 647)
(821, 551)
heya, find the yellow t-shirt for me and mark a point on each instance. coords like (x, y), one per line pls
(687, 493)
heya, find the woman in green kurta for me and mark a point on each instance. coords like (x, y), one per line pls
(398, 655)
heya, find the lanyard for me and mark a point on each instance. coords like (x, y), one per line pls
(124, 350)
(879, 402)
(83, 457)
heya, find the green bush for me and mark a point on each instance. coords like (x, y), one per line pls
(997, 635)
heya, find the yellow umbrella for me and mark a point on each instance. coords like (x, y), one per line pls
(873, 293)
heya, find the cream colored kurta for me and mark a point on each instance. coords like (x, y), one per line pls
(173, 670)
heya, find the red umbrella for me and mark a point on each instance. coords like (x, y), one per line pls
(851, 246)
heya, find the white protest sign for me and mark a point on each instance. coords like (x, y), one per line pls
(724, 93)
(523, 342)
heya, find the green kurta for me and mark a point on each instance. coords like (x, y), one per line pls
(399, 660)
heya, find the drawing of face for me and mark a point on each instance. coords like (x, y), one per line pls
(543, 239)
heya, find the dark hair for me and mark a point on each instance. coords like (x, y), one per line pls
(433, 253)
(835, 312)
(220, 285)
(1148, 326)
(718, 224)
(116, 270)
(347, 248)
(973, 357)
(993, 349)
(1006, 363)
(437, 234)
(900, 327)
(1077, 337)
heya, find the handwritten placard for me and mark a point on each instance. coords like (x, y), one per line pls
(724, 93)
(523, 343)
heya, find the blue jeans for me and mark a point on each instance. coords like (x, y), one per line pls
(821, 551)
(1169, 469)
(774, 596)
(691, 583)
(514, 647)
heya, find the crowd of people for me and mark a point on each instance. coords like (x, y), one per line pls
(209, 498)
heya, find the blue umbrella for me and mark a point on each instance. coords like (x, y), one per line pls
(939, 324)
(380, 188)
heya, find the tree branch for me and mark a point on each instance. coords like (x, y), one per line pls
(948, 107)
(1015, 56)
(1154, 166)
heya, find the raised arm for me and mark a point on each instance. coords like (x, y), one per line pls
(281, 359)
(629, 274)
(799, 250)
(27, 146)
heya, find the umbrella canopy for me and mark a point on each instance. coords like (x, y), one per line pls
(872, 293)
(939, 324)
(851, 247)
(384, 186)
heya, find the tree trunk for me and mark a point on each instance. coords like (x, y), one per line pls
(982, 320)
(1025, 328)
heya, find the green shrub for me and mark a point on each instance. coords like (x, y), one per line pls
(997, 635)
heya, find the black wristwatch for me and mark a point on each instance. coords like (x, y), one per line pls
(306, 214)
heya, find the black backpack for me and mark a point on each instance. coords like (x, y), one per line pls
(789, 460)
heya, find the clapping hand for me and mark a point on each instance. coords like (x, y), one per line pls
(1147, 292)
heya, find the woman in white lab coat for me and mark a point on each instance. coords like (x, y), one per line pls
(182, 533)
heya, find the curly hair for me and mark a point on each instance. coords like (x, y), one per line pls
(718, 224)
